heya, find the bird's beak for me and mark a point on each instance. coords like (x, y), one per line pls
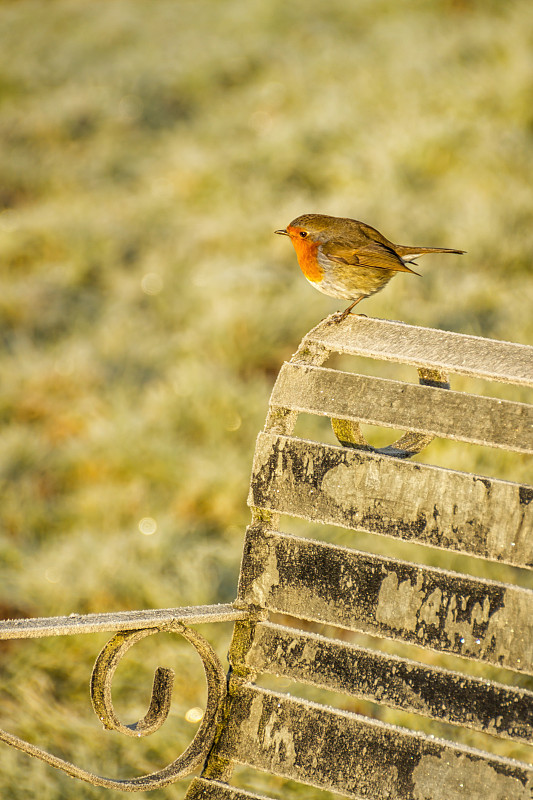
(283, 232)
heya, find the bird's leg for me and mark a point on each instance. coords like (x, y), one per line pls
(343, 314)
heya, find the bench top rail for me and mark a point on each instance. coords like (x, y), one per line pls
(459, 353)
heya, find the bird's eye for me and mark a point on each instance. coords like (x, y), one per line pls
(303, 234)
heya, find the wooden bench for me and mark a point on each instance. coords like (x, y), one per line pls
(326, 617)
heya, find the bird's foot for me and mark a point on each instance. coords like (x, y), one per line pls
(334, 319)
(338, 317)
(341, 315)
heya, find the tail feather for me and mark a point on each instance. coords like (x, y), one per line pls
(410, 253)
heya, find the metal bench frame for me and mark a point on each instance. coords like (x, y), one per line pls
(360, 488)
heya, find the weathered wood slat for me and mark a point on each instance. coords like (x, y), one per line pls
(201, 789)
(433, 608)
(427, 347)
(448, 696)
(425, 409)
(358, 757)
(453, 510)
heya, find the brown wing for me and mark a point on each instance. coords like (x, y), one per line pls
(371, 254)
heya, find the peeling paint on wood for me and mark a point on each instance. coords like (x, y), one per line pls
(358, 757)
(415, 502)
(201, 789)
(444, 611)
(398, 682)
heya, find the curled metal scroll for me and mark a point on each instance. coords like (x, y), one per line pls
(102, 677)
(349, 433)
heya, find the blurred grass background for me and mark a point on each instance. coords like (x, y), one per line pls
(149, 151)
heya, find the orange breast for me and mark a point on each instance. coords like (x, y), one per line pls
(306, 253)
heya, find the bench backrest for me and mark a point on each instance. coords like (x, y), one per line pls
(328, 616)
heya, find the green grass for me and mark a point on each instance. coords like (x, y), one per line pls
(149, 150)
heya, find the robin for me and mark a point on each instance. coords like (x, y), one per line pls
(346, 258)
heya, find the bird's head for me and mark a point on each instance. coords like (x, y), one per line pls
(314, 227)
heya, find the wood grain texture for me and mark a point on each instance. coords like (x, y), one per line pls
(448, 696)
(425, 409)
(358, 757)
(432, 608)
(426, 347)
(479, 516)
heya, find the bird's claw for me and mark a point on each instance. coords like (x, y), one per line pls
(339, 316)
